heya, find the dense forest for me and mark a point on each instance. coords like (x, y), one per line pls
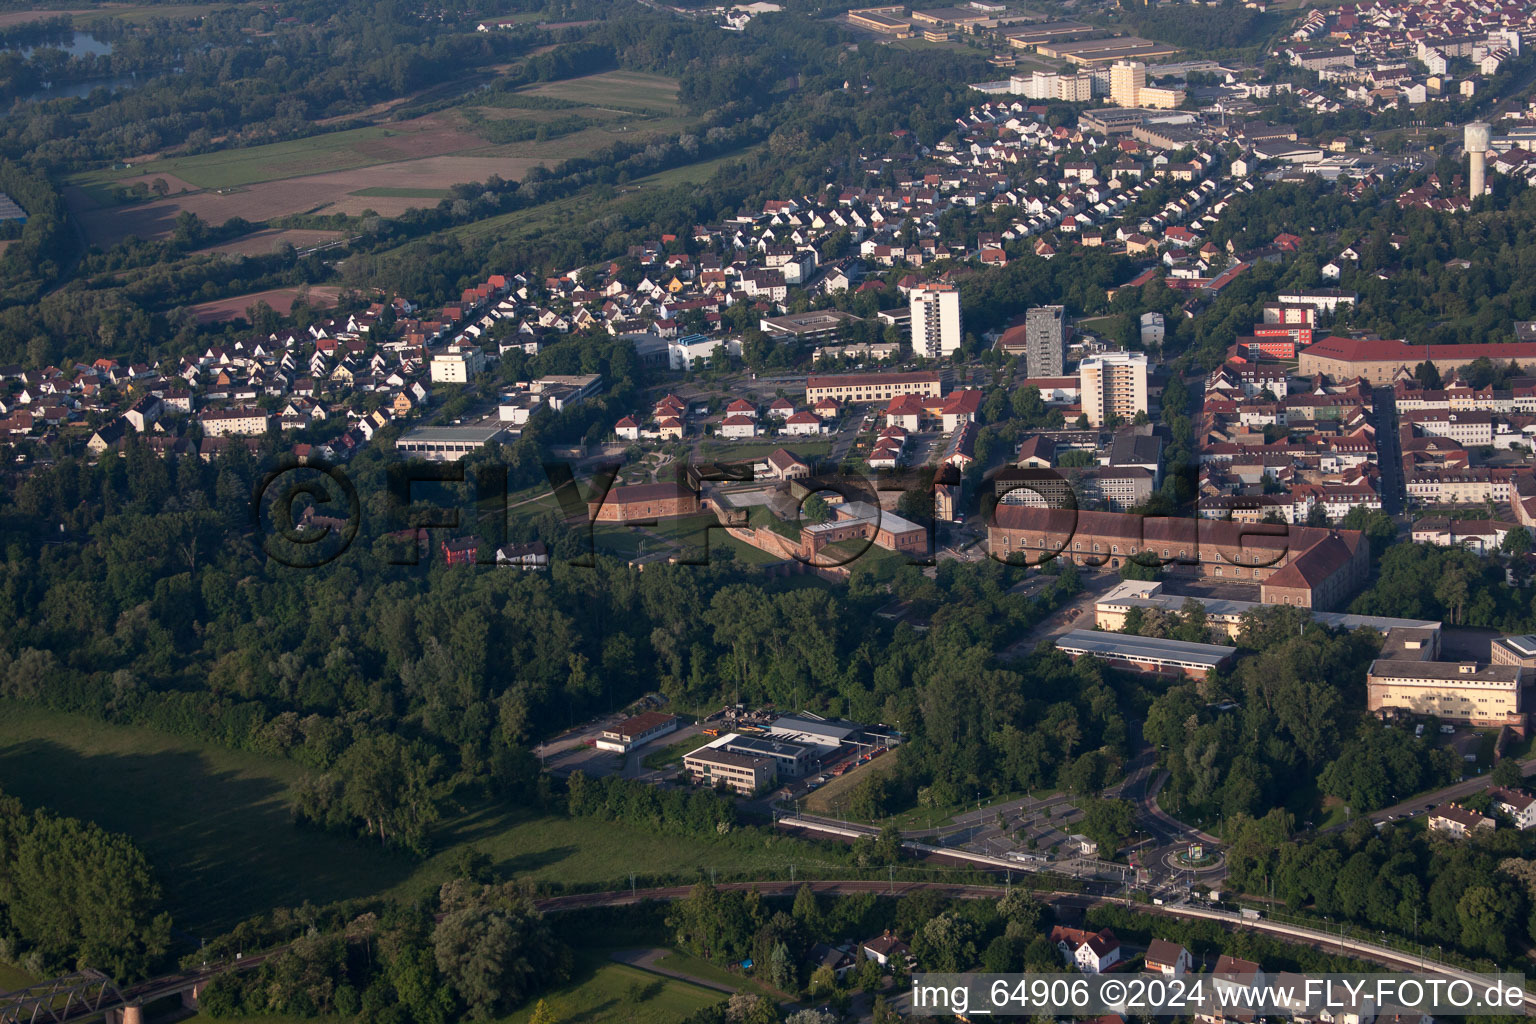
(1476, 897)
(474, 951)
(140, 615)
(1284, 726)
(71, 893)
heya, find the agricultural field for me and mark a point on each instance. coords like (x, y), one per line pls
(280, 299)
(132, 13)
(384, 168)
(623, 90)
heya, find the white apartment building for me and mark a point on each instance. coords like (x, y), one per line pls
(459, 365)
(936, 323)
(1113, 384)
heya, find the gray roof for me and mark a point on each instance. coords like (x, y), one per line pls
(832, 729)
(763, 747)
(1143, 648)
(1447, 671)
(476, 433)
(1523, 645)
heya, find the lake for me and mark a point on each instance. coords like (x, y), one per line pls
(80, 44)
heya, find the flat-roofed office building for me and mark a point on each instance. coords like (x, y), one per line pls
(1145, 653)
(1456, 691)
(790, 760)
(1515, 650)
(742, 773)
(448, 444)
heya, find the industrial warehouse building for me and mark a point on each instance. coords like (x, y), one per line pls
(1147, 654)
(637, 731)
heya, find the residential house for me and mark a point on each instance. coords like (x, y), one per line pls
(1515, 804)
(1167, 958)
(529, 557)
(886, 949)
(1090, 952)
(1456, 821)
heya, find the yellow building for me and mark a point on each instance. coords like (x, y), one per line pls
(1126, 80)
(1456, 691)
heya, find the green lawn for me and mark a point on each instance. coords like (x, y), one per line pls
(623, 995)
(214, 822)
(384, 192)
(139, 15)
(737, 450)
(743, 551)
(1334, 812)
(705, 970)
(230, 168)
(760, 517)
(216, 826)
(625, 89)
(828, 798)
(661, 757)
(693, 174)
(12, 979)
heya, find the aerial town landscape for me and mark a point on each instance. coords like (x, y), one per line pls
(552, 511)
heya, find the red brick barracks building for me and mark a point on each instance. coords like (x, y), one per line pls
(642, 502)
(1309, 567)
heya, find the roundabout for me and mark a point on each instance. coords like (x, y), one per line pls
(1196, 857)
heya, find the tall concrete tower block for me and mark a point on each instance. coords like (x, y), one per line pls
(1477, 141)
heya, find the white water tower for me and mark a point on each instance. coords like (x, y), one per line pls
(1477, 141)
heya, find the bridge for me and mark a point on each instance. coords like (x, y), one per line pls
(89, 994)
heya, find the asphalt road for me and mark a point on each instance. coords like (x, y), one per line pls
(1389, 453)
(1457, 791)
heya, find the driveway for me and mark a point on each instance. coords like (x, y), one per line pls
(647, 960)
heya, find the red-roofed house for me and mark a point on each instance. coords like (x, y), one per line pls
(905, 411)
(738, 425)
(803, 423)
(784, 465)
(960, 407)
